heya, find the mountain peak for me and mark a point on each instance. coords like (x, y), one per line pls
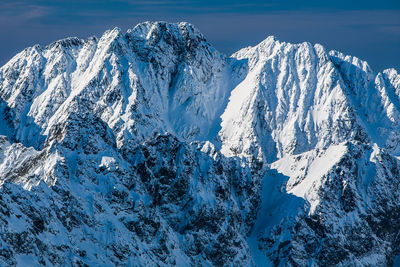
(149, 27)
(65, 43)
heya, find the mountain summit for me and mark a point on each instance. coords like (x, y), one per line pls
(151, 148)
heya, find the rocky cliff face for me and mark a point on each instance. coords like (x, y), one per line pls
(152, 148)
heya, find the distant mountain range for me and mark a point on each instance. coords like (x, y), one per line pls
(151, 148)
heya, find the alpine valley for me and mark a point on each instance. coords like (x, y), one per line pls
(151, 148)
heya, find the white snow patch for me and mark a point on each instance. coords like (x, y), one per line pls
(109, 163)
(319, 167)
(307, 169)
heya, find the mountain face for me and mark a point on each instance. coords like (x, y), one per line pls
(151, 148)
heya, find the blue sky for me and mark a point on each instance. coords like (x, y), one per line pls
(367, 29)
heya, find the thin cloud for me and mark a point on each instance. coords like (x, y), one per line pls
(20, 12)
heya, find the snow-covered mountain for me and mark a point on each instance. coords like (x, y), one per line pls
(151, 148)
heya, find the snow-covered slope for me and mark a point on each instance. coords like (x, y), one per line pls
(152, 148)
(155, 77)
